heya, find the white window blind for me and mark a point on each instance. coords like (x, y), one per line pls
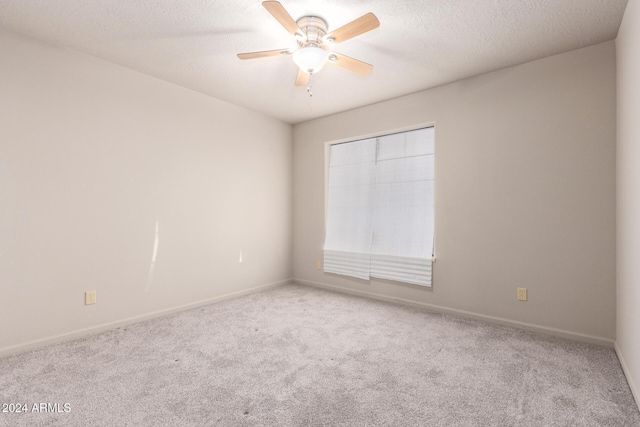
(380, 218)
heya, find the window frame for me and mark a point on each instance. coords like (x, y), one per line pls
(327, 151)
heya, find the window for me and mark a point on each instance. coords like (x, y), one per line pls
(380, 217)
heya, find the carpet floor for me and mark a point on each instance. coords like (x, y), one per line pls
(297, 356)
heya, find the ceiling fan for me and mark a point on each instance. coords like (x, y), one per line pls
(314, 42)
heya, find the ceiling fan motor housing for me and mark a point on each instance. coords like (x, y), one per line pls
(314, 29)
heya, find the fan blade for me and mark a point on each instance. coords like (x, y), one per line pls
(282, 16)
(350, 64)
(302, 79)
(264, 53)
(361, 25)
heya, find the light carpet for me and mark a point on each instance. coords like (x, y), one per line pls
(297, 355)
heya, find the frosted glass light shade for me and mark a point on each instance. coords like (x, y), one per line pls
(310, 59)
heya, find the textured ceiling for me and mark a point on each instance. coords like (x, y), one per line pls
(419, 44)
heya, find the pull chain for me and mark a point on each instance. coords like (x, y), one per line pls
(309, 87)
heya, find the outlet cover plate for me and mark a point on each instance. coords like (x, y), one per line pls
(522, 294)
(89, 297)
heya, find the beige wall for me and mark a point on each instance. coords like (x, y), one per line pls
(525, 192)
(628, 197)
(92, 155)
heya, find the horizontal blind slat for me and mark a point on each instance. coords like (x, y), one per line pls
(352, 264)
(403, 269)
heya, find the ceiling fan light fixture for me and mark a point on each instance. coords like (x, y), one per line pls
(310, 59)
(314, 44)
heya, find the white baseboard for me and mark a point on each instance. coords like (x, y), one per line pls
(562, 333)
(627, 373)
(6, 351)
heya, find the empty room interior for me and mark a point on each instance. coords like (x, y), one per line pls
(171, 251)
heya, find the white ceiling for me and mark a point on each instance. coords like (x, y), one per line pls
(419, 44)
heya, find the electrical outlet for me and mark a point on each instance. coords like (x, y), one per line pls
(89, 297)
(522, 294)
(318, 265)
